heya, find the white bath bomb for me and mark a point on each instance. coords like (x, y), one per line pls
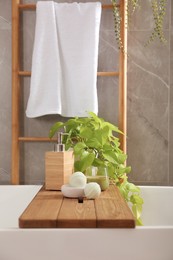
(92, 190)
(77, 179)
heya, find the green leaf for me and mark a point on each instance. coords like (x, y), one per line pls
(110, 156)
(107, 147)
(136, 199)
(78, 147)
(97, 162)
(128, 169)
(84, 154)
(83, 164)
(105, 134)
(86, 132)
(72, 124)
(98, 136)
(139, 222)
(113, 127)
(137, 210)
(55, 128)
(133, 188)
(121, 169)
(115, 141)
(95, 117)
(111, 170)
(121, 157)
(101, 135)
(93, 142)
(124, 192)
(77, 166)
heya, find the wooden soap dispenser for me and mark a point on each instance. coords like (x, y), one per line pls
(59, 165)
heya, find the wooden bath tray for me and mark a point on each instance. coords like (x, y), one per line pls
(49, 209)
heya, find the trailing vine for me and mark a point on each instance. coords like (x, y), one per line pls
(117, 23)
(131, 7)
(158, 10)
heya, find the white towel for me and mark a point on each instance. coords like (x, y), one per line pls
(65, 59)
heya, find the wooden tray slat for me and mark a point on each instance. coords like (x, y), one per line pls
(77, 215)
(112, 210)
(43, 210)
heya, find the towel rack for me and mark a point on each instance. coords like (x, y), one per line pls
(17, 6)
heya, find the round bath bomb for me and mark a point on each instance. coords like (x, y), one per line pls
(92, 190)
(77, 179)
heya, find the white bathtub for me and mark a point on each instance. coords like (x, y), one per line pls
(154, 241)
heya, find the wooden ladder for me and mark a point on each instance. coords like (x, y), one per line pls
(17, 7)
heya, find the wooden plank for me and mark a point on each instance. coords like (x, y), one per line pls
(24, 73)
(107, 73)
(112, 211)
(77, 215)
(15, 93)
(123, 78)
(99, 73)
(37, 139)
(43, 210)
(33, 6)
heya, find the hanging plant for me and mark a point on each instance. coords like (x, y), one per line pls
(131, 7)
(117, 23)
(158, 10)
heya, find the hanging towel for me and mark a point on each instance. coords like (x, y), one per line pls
(65, 59)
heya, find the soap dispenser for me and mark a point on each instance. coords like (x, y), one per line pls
(59, 165)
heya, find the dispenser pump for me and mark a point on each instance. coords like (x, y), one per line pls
(59, 147)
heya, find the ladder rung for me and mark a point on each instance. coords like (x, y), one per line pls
(36, 139)
(24, 73)
(108, 73)
(33, 6)
(104, 73)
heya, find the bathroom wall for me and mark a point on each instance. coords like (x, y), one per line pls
(171, 103)
(149, 100)
(5, 90)
(149, 97)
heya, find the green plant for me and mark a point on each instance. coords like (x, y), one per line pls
(131, 7)
(94, 144)
(158, 10)
(117, 24)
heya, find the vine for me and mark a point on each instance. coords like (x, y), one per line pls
(158, 10)
(117, 23)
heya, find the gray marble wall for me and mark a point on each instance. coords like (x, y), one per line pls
(148, 101)
(149, 98)
(171, 103)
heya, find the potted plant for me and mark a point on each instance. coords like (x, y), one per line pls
(94, 144)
